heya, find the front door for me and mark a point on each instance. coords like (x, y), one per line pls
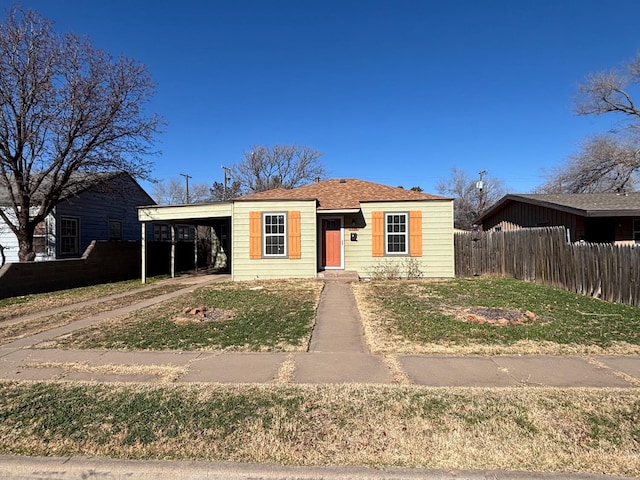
(331, 243)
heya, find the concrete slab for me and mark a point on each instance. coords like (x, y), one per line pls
(627, 365)
(343, 367)
(32, 374)
(235, 368)
(338, 327)
(558, 372)
(146, 358)
(454, 371)
(108, 377)
(27, 356)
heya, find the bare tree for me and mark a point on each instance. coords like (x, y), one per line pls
(279, 166)
(605, 163)
(174, 192)
(607, 92)
(610, 162)
(66, 107)
(468, 200)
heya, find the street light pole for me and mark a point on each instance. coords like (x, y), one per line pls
(226, 179)
(186, 178)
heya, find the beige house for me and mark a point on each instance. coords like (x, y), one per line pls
(334, 225)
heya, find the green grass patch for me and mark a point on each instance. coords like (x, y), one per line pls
(428, 313)
(270, 316)
(583, 430)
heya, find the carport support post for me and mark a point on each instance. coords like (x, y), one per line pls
(143, 248)
(195, 249)
(173, 250)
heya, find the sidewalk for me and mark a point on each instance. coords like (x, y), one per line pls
(337, 353)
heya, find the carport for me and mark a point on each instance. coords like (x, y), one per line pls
(217, 216)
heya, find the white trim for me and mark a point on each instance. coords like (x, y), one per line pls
(405, 233)
(284, 234)
(61, 237)
(332, 217)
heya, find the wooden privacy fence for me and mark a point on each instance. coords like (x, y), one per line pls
(544, 255)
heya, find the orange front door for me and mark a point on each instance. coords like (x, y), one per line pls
(331, 243)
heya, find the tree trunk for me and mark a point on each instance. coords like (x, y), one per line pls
(25, 246)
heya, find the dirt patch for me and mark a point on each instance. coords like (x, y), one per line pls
(498, 317)
(202, 314)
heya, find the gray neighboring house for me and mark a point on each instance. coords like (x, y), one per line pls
(592, 217)
(105, 208)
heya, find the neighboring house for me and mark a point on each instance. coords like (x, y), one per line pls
(592, 217)
(105, 208)
(344, 225)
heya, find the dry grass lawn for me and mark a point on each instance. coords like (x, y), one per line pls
(18, 328)
(562, 430)
(419, 317)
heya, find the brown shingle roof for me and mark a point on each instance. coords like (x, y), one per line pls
(583, 204)
(343, 194)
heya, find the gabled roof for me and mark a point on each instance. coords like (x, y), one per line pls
(343, 194)
(83, 181)
(582, 204)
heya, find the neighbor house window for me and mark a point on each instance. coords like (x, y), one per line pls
(275, 228)
(115, 230)
(184, 233)
(636, 231)
(161, 232)
(396, 233)
(40, 238)
(69, 236)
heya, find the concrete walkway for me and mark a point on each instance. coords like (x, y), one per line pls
(337, 353)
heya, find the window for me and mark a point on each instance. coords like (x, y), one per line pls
(184, 233)
(69, 236)
(636, 231)
(396, 233)
(162, 233)
(275, 228)
(40, 238)
(115, 230)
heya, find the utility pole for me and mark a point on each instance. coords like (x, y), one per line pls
(226, 179)
(480, 187)
(187, 177)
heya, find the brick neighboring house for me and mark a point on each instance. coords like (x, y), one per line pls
(592, 217)
(103, 208)
(340, 224)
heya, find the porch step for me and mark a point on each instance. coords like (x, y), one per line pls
(341, 275)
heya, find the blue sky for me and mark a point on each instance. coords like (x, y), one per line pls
(395, 92)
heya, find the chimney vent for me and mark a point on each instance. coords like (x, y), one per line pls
(342, 180)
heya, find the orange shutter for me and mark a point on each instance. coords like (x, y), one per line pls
(255, 236)
(294, 234)
(377, 234)
(415, 233)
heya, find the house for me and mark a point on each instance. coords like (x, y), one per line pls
(592, 217)
(103, 208)
(343, 225)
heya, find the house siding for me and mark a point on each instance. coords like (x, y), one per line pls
(94, 209)
(518, 215)
(9, 241)
(246, 268)
(437, 238)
